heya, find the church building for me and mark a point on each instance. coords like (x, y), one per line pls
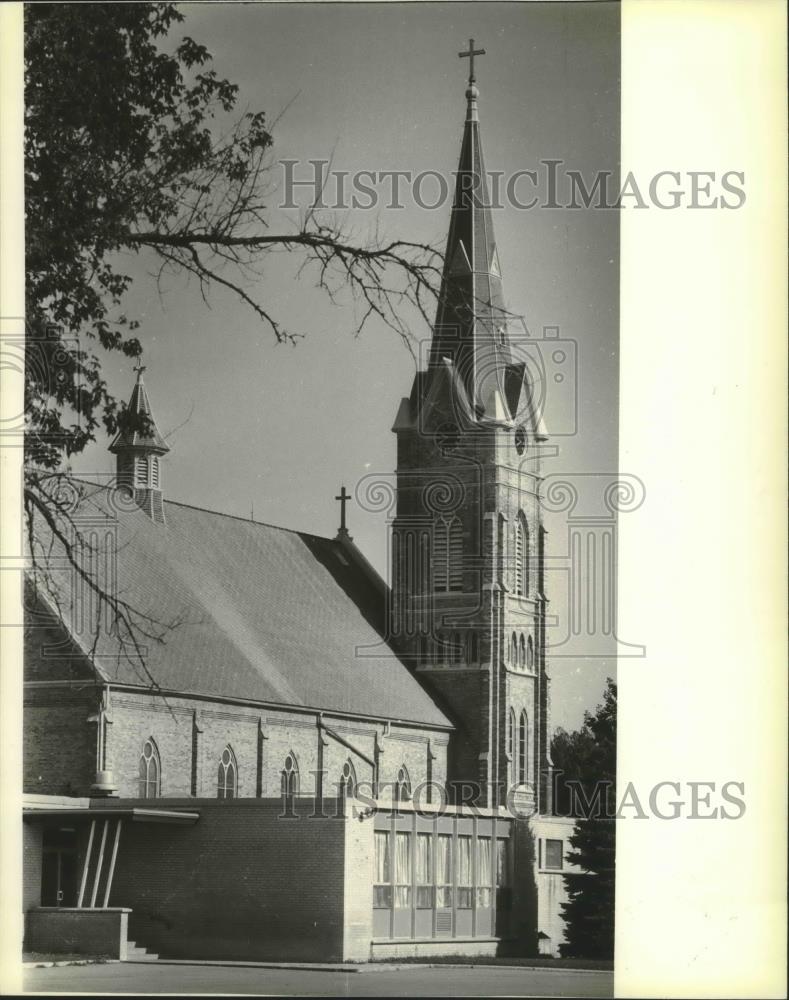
(259, 749)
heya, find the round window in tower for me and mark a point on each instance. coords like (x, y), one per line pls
(520, 440)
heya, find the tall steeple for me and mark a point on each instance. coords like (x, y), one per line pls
(138, 446)
(468, 602)
(472, 320)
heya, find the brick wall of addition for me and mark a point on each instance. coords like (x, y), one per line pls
(241, 883)
(358, 889)
(32, 847)
(551, 887)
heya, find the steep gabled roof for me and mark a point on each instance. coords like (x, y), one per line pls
(266, 614)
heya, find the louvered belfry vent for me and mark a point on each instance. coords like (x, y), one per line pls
(138, 453)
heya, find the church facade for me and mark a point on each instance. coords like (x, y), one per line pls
(261, 750)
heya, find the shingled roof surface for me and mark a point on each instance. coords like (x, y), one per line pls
(269, 615)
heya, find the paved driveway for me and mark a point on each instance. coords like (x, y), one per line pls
(187, 979)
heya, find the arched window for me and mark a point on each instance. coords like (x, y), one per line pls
(473, 647)
(150, 771)
(402, 785)
(348, 782)
(521, 652)
(514, 650)
(511, 743)
(455, 555)
(227, 775)
(500, 544)
(440, 555)
(290, 780)
(523, 745)
(154, 471)
(521, 556)
(142, 470)
(456, 651)
(530, 654)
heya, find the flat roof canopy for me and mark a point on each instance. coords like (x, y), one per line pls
(135, 814)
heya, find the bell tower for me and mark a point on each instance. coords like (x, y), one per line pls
(138, 447)
(468, 601)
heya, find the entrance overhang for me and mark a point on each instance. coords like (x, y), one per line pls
(135, 814)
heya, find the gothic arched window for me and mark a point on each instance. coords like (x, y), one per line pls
(455, 555)
(154, 471)
(440, 556)
(402, 785)
(150, 771)
(514, 650)
(142, 470)
(227, 775)
(290, 780)
(511, 744)
(530, 654)
(473, 648)
(521, 652)
(500, 545)
(521, 556)
(348, 783)
(456, 650)
(523, 744)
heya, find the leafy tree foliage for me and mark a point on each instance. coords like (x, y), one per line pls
(587, 790)
(134, 146)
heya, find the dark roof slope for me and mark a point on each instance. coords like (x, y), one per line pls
(269, 615)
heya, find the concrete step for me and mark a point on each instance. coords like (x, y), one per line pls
(136, 953)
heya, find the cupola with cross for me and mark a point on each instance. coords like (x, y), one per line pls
(468, 601)
(138, 447)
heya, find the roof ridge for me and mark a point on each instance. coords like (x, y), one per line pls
(208, 510)
(249, 520)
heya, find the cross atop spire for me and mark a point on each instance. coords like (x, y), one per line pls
(139, 368)
(470, 56)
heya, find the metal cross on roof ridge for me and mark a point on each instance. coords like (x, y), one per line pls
(344, 497)
(470, 56)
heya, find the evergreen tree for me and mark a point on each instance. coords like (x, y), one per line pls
(587, 790)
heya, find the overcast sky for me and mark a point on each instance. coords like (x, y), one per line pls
(381, 87)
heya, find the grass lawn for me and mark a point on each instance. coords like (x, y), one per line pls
(38, 956)
(540, 962)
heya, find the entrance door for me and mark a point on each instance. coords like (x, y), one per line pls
(59, 868)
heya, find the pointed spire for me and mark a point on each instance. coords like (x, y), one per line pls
(471, 320)
(140, 415)
(138, 446)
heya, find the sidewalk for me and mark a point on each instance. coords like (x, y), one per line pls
(525, 965)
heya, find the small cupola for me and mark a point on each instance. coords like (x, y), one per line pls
(138, 447)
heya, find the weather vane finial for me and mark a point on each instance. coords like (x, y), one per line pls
(470, 56)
